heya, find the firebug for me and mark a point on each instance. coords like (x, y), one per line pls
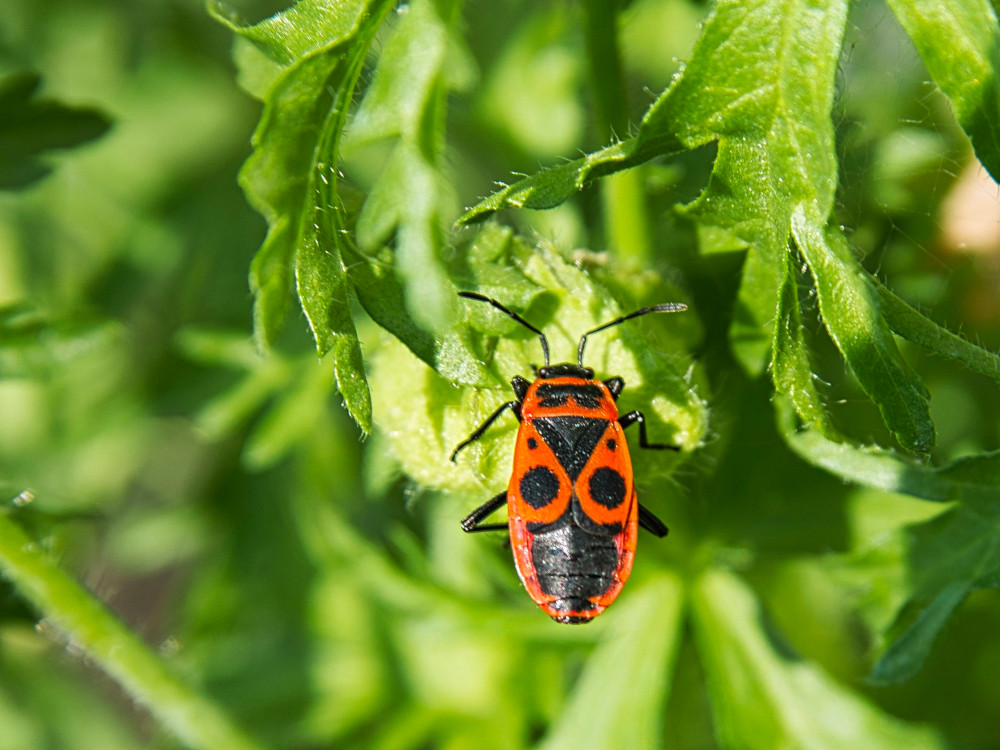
(573, 515)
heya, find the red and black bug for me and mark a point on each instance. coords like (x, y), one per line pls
(572, 510)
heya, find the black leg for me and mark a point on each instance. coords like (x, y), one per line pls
(615, 385)
(636, 416)
(651, 523)
(514, 406)
(474, 521)
(489, 527)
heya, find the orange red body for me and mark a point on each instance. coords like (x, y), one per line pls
(575, 551)
(573, 515)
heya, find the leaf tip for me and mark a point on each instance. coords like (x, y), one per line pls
(475, 215)
(223, 13)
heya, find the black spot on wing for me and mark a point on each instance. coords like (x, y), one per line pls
(607, 487)
(572, 439)
(539, 486)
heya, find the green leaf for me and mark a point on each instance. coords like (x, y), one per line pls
(291, 178)
(792, 369)
(34, 344)
(553, 186)
(849, 304)
(765, 697)
(947, 557)
(769, 106)
(767, 103)
(30, 126)
(381, 294)
(904, 658)
(321, 282)
(969, 478)
(410, 72)
(912, 325)
(959, 41)
(775, 174)
(620, 697)
(405, 202)
(195, 720)
(307, 26)
(279, 178)
(424, 429)
(411, 200)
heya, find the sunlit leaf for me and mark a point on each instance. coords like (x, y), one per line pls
(919, 329)
(958, 41)
(792, 369)
(849, 305)
(411, 203)
(425, 428)
(619, 699)
(764, 696)
(768, 107)
(305, 27)
(291, 178)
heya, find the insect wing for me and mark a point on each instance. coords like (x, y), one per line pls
(537, 476)
(539, 491)
(607, 505)
(604, 487)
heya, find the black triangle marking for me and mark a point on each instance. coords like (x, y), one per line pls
(572, 439)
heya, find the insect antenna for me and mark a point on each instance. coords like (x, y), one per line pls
(515, 316)
(664, 308)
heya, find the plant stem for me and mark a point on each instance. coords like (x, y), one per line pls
(194, 719)
(627, 230)
(607, 82)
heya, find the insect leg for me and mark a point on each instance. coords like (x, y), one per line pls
(514, 406)
(489, 300)
(649, 521)
(636, 416)
(473, 521)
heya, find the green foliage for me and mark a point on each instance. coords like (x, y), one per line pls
(424, 428)
(768, 107)
(620, 696)
(292, 179)
(766, 697)
(958, 42)
(31, 126)
(120, 653)
(192, 512)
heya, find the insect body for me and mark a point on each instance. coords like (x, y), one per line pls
(572, 510)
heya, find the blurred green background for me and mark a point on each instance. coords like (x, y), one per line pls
(224, 506)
